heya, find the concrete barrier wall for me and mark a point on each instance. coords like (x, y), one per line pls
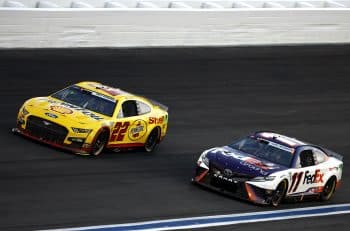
(175, 4)
(114, 27)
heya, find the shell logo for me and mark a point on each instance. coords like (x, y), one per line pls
(137, 130)
(61, 110)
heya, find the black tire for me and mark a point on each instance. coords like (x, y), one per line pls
(152, 140)
(279, 193)
(99, 144)
(328, 189)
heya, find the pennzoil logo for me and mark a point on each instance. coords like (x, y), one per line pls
(137, 130)
(60, 109)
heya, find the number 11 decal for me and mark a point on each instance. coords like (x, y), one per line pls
(296, 179)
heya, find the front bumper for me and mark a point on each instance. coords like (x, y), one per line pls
(52, 133)
(69, 147)
(237, 187)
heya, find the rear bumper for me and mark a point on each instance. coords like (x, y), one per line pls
(232, 187)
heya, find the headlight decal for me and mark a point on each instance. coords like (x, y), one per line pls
(203, 160)
(81, 130)
(24, 111)
(262, 178)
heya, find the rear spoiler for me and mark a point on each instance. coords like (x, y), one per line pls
(333, 154)
(156, 103)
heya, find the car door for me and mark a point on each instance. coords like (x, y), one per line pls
(309, 170)
(130, 129)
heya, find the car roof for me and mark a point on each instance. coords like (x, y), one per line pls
(113, 92)
(280, 139)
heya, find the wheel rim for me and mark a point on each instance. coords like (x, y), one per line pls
(278, 194)
(99, 144)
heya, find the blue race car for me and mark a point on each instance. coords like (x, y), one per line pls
(267, 167)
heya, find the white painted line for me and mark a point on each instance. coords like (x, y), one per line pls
(220, 220)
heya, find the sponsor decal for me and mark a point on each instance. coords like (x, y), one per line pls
(251, 163)
(284, 139)
(254, 168)
(51, 115)
(82, 110)
(109, 90)
(313, 178)
(316, 189)
(103, 96)
(225, 152)
(155, 120)
(309, 178)
(66, 108)
(287, 149)
(61, 109)
(225, 178)
(137, 130)
(260, 164)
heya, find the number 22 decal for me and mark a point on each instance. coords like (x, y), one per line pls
(119, 131)
(296, 179)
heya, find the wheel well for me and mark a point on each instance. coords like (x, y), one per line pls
(287, 185)
(326, 195)
(104, 129)
(335, 179)
(159, 132)
(333, 176)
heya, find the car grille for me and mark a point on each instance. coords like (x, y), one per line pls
(46, 130)
(237, 176)
(228, 182)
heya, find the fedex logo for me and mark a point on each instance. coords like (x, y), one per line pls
(310, 178)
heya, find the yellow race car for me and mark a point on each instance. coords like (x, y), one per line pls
(88, 117)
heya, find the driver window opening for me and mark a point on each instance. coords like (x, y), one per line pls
(307, 158)
(129, 108)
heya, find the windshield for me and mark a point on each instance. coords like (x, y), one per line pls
(84, 98)
(265, 149)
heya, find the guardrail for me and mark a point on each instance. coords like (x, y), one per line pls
(131, 23)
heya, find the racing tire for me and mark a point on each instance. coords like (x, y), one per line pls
(99, 144)
(152, 140)
(279, 193)
(328, 189)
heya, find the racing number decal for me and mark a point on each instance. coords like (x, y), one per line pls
(119, 131)
(296, 179)
(309, 178)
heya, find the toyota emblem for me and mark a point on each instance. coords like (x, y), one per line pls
(227, 172)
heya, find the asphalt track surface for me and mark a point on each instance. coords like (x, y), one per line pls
(214, 96)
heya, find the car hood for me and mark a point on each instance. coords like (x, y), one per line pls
(226, 158)
(50, 108)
